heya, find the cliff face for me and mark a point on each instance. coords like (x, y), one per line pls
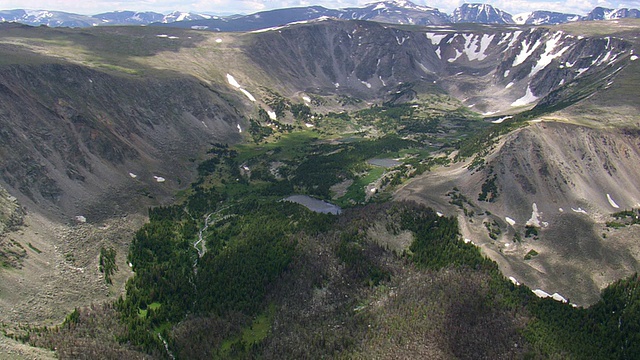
(493, 70)
(85, 142)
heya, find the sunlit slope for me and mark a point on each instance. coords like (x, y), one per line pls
(578, 166)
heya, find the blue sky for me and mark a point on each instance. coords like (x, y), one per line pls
(223, 7)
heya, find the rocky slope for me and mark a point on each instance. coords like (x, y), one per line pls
(492, 71)
(600, 13)
(565, 180)
(81, 142)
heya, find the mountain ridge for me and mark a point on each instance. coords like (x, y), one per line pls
(398, 12)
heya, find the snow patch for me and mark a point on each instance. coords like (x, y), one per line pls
(580, 71)
(439, 214)
(458, 54)
(272, 115)
(633, 57)
(218, 41)
(534, 221)
(528, 98)
(544, 294)
(499, 121)
(549, 54)
(525, 52)
(232, 81)
(436, 38)
(612, 203)
(306, 99)
(475, 47)
(81, 219)
(160, 179)
(239, 128)
(579, 210)
(514, 39)
(248, 95)
(514, 280)
(133, 176)
(510, 221)
(558, 297)
(308, 125)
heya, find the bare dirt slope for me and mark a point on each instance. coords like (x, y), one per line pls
(576, 177)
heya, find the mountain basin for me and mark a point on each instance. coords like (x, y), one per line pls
(316, 205)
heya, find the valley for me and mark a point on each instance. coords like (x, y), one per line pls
(472, 163)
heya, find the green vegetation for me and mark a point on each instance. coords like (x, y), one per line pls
(489, 189)
(38, 251)
(530, 231)
(624, 218)
(493, 228)
(437, 243)
(532, 253)
(107, 263)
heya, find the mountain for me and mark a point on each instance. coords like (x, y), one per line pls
(182, 16)
(524, 141)
(49, 18)
(600, 13)
(397, 12)
(63, 19)
(129, 18)
(392, 12)
(480, 13)
(545, 18)
(260, 20)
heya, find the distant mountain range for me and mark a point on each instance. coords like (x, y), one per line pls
(396, 12)
(59, 18)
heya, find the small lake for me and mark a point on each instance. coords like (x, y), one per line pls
(385, 163)
(315, 204)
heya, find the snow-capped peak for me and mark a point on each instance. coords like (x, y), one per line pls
(521, 19)
(399, 4)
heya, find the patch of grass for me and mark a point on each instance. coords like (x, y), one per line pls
(356, 192)
(34, 248)
(530, 254)
(153, 306)
(288, 146)
(251, 335)
(615, 224)
(530, 231)
(164, 327)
